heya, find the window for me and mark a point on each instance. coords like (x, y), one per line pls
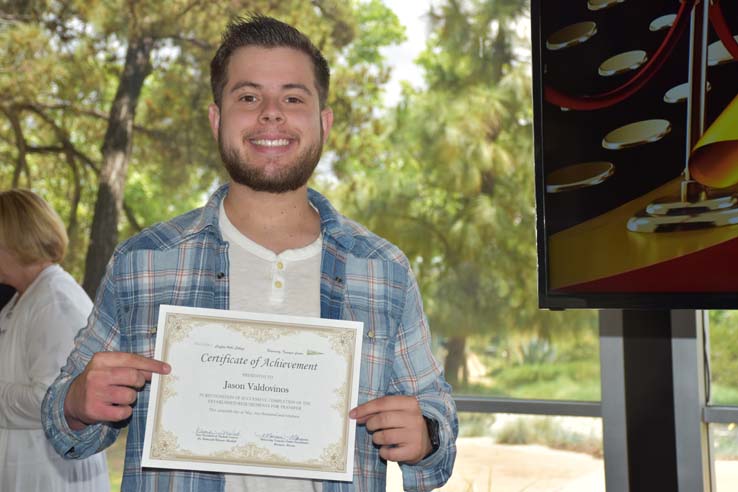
(514, 453)
(724, 445)
(723, 357)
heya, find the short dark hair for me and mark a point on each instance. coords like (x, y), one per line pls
(266, 32)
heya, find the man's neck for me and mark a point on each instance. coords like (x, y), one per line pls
(276, 221)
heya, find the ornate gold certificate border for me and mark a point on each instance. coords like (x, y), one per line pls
(179, 327)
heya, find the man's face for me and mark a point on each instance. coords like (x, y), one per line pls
(270, 129)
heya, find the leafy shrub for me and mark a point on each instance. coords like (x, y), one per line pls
(576, 380)
(475, 424)
(550, 432)
(725, 441)
(724, 356)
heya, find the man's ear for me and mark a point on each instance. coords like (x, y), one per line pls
(214, 117)
(326, 120)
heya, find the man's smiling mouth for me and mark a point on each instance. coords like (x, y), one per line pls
(280, 142)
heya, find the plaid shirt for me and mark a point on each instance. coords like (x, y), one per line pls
(185, 262)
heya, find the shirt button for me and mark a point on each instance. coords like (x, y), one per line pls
(278, 284)
(280, 265)
(370, 334)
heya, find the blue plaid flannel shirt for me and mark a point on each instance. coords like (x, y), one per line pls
(185, 262)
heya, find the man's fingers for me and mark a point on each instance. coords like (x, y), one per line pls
(124, 376)
(100, 380)
(147, 374)
(132, 361)
(385, 404)
(390, 437)
(398, 453)
(104, 410)
(108, 387)
(112, 413)
(397, 426)
(120, 395)
(386, 420)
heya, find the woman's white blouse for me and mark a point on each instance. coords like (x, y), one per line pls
(36, 335)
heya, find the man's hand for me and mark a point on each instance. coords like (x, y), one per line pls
(108, 387)
(397, 425)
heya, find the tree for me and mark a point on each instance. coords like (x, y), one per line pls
(458, 150)
(120, 89)
(460, 201)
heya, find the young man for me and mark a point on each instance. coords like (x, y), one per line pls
(266, 243)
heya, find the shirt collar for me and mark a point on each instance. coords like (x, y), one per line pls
(208, 214)
(332, 223)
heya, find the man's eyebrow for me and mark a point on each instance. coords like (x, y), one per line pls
(254, 85)
(244, 83)
(301, 87)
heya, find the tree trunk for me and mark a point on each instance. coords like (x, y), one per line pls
(20, 142)
(455, 360)
(116, 152)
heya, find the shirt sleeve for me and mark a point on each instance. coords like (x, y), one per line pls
(49, 338)
(417, 372)
(100, 334)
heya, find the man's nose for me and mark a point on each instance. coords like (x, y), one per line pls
(271, 113)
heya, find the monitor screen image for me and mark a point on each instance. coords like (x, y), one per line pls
(636, 143)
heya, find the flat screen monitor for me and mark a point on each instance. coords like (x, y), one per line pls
(636, 150)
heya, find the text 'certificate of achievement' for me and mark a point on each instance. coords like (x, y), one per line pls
(254, 394)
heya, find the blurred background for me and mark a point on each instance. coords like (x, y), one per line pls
(104, 113)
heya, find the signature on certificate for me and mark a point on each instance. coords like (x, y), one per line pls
(217, 435)
(286, 440)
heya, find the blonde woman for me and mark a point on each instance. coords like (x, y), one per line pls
(37, 328)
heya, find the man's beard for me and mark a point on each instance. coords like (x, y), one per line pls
(291, 177)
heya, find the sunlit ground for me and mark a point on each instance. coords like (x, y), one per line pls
(482, 466)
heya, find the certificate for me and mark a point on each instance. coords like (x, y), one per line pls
(254, 394)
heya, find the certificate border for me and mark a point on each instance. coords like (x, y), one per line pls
(177, 328)
(336, 461)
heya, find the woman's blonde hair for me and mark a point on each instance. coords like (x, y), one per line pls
(30, 229)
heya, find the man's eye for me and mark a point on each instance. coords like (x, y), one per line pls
(293, 100)
(247, 98)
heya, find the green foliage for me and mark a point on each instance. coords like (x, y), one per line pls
(476, 424)
(724, 441)
(452, 182)
(460, 200)
(526, 366)
(548, 431)
(475, 40)
(62, 66)
(723, 395)
(723, 360)
(447, 174)
(359, 76)
(558, 381)
(537, 351)
(377, 26)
